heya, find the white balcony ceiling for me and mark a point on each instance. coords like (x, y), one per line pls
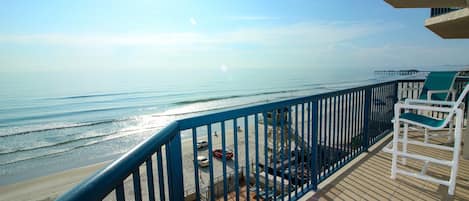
(427, 3)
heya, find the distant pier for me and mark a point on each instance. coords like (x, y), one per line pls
(397, 72)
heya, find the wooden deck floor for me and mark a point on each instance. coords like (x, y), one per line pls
(368, 178)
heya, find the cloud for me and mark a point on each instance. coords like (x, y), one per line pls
(224, 68)
(290, 35)
(409, 55)
(305, 34)
(193, 21)
(306, 45)
(252, 18)
(295, 45)
(157, 39)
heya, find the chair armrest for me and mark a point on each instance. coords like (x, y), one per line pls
(399, 106)
(428, 102)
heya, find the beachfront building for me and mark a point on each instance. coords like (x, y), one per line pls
(448, 18)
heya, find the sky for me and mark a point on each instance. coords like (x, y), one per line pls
(90, 35)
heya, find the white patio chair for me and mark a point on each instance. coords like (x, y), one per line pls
(438, 86)
(451, 109)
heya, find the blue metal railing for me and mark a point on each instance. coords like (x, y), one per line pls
(112, 177)
(441, 11)
(280, 150)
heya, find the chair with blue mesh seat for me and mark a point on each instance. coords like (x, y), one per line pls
(451, 109)
(438, 86)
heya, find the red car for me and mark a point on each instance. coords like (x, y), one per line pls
(218, 153)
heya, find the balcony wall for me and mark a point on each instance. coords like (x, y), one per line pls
(453, 24)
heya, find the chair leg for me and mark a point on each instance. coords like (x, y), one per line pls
(451, 131)
(395, 141)
(457, 149)
(425, 167)
(404, 142)
(426, 135)
(465, 115)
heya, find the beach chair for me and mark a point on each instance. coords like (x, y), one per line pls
(451, 109)
(438, 86)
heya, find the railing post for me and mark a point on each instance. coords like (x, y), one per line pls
(366, 139)
(174, 168)
(314, 152)
(396, 92)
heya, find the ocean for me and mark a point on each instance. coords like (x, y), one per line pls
(51, 122)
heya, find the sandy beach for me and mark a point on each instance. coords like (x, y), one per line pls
(47, 187)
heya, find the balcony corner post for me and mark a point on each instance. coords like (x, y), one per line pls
(174, 166)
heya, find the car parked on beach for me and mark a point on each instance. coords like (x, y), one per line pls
(202, 144)
(218, 153)
(202, 161)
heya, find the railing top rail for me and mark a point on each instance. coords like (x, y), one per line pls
(101, 183)
(202, 120)
(458, 78)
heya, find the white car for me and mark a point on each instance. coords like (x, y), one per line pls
(202, 144)
(202, 161)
